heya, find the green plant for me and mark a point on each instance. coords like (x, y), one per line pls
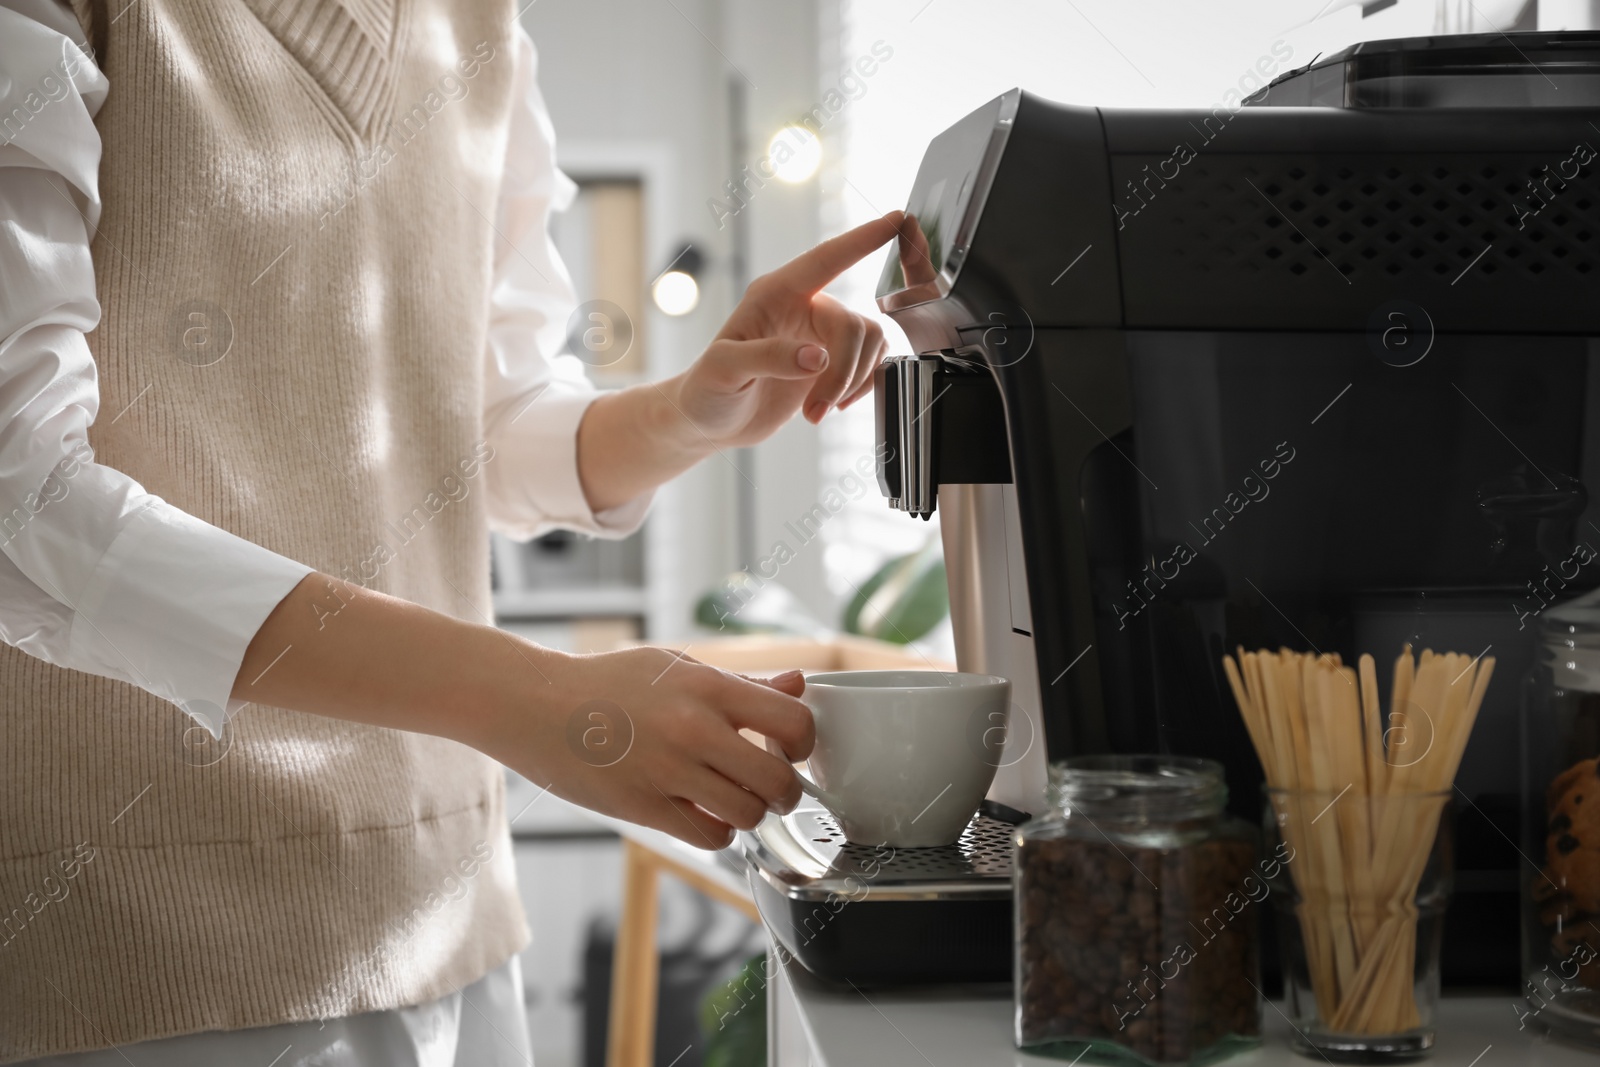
(733, 1017)
(904, 600)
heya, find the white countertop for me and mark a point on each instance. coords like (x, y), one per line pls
(955, 1029)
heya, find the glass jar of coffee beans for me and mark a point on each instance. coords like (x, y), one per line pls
(1136, 934)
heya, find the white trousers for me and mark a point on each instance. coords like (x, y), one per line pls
(484, 1025)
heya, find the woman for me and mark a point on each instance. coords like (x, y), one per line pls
(275, 319)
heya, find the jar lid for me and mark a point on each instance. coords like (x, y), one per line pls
(1140, 788)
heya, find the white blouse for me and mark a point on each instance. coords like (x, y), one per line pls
(97, 574)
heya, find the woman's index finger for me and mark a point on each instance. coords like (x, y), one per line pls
(811, 271)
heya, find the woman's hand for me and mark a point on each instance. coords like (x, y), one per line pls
(652, 736)
(787, 347)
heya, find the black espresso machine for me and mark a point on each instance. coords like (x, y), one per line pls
(1320, 371)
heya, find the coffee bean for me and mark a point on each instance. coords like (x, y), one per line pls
(1153, 948)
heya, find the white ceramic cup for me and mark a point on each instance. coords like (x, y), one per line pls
(904, 758)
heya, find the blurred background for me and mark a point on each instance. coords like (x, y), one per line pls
(711, 141)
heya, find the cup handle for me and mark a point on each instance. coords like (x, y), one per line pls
(807, 786)
(810, 788)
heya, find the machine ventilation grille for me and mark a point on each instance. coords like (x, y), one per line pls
(1372, 218)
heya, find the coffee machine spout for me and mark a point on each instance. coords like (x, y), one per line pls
(905, 391)
(940, 422)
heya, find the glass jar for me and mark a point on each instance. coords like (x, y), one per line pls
(1360, 931)
(1135, 915)
(1561, 825)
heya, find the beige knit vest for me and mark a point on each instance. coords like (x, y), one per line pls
(294, 264)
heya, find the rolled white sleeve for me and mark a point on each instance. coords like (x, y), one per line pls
(96, 574)
(535, 399)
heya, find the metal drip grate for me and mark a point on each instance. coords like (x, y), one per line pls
(983, 851)
(1376, 219)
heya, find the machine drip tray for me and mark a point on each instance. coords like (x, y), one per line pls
(983, 854)
(880, 915)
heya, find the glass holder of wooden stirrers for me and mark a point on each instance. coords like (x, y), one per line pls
(1359, 803)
